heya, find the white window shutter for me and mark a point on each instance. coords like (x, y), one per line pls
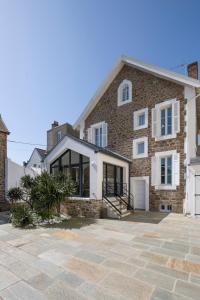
(153, 170)
(176, 109)
(176, 168)
(104, 134)
(89, 135)
(154, 117)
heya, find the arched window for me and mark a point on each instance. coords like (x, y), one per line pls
(124, 92)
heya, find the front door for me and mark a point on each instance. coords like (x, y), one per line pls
(112, 179)
(138, 189)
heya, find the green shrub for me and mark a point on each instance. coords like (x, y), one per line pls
(21, 216)
(15, 194)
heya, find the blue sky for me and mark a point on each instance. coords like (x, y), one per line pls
(55, 53)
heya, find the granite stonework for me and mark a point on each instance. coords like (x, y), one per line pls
(148, 90)
(82, 208)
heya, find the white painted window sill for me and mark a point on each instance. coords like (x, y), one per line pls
(140, 156)
(140, 127)
(120, 103)
(165, 137)
(165, 187)
(79, 198)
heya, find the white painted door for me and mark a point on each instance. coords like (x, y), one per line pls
(138, 191)
(197, 194)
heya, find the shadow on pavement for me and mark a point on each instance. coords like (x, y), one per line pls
(145, 217)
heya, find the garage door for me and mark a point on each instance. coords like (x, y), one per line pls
(138, 190)
(197, 194)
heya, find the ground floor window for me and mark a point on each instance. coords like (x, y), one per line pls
(112, 179)
(75, 166)
(166, 170)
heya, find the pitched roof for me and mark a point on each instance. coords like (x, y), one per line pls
(124, 60)
(41, 152)
(3, 127)
(93, 147)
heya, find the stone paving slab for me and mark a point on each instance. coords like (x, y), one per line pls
(147, 256)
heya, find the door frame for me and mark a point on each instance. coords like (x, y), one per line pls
(146, 179)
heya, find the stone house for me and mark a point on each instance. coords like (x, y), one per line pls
(3, 157)
(138, 136)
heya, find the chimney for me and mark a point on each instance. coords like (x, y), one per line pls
(54, 124)
(192, 70)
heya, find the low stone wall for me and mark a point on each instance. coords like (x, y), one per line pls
(82, 207)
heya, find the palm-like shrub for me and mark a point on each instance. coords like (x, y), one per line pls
(49, 192)
(39, 196)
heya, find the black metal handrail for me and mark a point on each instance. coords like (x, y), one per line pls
(119, 190)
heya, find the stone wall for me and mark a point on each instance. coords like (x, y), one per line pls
(80, 208)
(3, 156)
(148, 90)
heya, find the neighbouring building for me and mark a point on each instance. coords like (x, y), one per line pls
(36, 159)
(57, 132)
(137, 144)
(3, 157)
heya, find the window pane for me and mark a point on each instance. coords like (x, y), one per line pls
(65, 159)
(125, 93)
(86, 180)
(169, 170)
(75, 157)
(169, 120)
(55, 164)
(54, 170)
(85, 159)
(140, 148)
(162, 170)
(97, 136)
(74, 174)
(141, 120)
(163, 122)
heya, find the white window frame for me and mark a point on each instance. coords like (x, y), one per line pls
(120, 101)
(136, 115)
(92, 129)
(135, 147)
(156, 172)
(156, 114)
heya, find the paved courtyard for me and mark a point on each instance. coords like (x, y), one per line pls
(148, 256)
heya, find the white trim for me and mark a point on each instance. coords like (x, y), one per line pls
(138, 141)
(158, 108)
(124, 60)
(138, 113)
(160, 155)
(146, 179)
(120, 101)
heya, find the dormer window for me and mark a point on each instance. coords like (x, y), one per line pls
(124, 92)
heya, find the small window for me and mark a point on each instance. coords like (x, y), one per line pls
(140, 148)
(59, 136)
(97, 134)
(125, 92)
(35, 166)
(140, 119)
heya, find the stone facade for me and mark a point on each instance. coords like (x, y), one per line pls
(82, 208)
(3, 156)
(148, 90)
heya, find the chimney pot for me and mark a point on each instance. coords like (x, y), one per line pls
(55, 124)
(192, 70)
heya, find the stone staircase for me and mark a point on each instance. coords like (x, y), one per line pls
(116, 206)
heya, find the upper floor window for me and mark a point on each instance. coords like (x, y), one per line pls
(140, 119)
(140, 147)
(166, 120)
(124, 92)
(59, 136)
(97, 134)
